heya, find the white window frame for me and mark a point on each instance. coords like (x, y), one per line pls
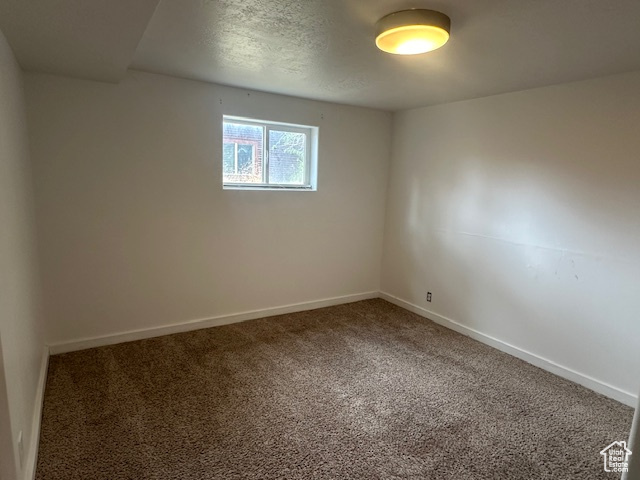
(310, 160)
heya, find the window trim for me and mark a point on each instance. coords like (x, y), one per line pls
(310, 159)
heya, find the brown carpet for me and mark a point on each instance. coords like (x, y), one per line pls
(364, 391)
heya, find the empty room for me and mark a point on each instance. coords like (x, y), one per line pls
(319, 239)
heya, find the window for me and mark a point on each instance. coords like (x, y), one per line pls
(268, 155)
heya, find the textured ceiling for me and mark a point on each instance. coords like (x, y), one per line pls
(324, 49)
(93, 39)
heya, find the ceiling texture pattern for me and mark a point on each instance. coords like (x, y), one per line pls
(324, 49)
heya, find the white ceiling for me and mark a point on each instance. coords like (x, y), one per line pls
(324, 49)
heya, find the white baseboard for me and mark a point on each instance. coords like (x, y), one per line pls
(548, 365)
(203, 323)
(564, 372)
(31, 460)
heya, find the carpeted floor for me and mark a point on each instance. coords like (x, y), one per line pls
(363, 391)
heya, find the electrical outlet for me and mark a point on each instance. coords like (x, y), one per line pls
(20, 449)
(428, 296)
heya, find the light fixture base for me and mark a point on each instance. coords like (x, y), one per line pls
(411, 32)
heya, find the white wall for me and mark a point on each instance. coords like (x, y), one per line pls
(520, 212)
(136, 231)
(21, 338)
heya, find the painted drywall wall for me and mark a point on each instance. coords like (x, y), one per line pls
(21, 336)
(136, 231)
(519, 212)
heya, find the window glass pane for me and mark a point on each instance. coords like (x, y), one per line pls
(245, 159)
(287, 157)
(228, 158)
(246, 151)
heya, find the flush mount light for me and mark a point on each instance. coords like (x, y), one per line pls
(411, 32)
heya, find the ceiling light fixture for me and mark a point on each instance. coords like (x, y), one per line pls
(411, 32)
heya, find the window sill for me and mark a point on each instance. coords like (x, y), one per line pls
(272, 188)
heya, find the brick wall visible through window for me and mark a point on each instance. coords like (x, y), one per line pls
(242, 153)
